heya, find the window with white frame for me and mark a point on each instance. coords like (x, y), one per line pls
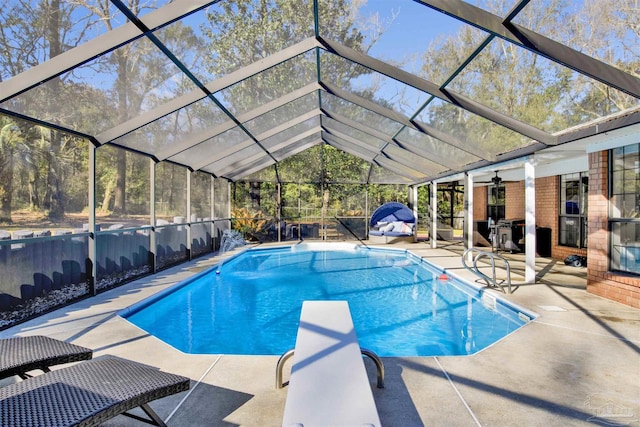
(574, 190)
(495, 202)
(624, 208)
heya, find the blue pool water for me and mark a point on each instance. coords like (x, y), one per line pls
(399, 305)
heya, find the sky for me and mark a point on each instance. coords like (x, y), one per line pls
(414, 26)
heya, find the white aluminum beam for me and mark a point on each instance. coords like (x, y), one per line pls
(530, 220)
(213, 87)
(468, 215)
(433, 89)
(229, 124)
(538, 44)
(433, 233)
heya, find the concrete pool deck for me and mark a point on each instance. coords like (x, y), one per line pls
(577, 364)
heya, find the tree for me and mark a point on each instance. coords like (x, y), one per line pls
(527, 86)
(239, 33)
(30, 34)
(141, 72)
(344, 175)
(12, 150)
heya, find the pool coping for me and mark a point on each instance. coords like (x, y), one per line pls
(472, 289)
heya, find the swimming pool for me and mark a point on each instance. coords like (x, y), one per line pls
(399, 303)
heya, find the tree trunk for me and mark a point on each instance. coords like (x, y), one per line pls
(119, 204)
(107, 195)
(55, 199)
(170, 186)
(122, 87)
(6, 187)
(34, 197)
(325, 201)
(254, 191)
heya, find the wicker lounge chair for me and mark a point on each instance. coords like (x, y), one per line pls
(20, 355)
(87, 394)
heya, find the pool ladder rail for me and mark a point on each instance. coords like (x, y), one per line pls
(289, 354)
(490, 281)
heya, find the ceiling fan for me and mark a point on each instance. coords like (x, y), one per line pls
(496, 180)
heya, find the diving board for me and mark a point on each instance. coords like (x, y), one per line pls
(328, 385)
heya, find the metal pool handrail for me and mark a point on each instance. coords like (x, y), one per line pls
(491, 281)
(289, 354)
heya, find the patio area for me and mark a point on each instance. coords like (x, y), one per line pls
(578, 363)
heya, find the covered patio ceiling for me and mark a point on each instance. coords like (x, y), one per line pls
(360, 81)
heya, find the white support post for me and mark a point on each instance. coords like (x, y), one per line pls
(279, 210)
(153, 249)
(189, 257)
(530, 220)
(414, 201)
(468, 213)
(93, 251)
(367, 214)
(229, 204)
(212, 212)
(433, 234)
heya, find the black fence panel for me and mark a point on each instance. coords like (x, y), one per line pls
(40, 274)
(171, 245)
(121, 256)
(201, 242)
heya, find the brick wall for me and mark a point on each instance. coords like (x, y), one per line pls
(514, 200)
(547, 211)
(547, 204)
(480, 203)
(600, 281)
